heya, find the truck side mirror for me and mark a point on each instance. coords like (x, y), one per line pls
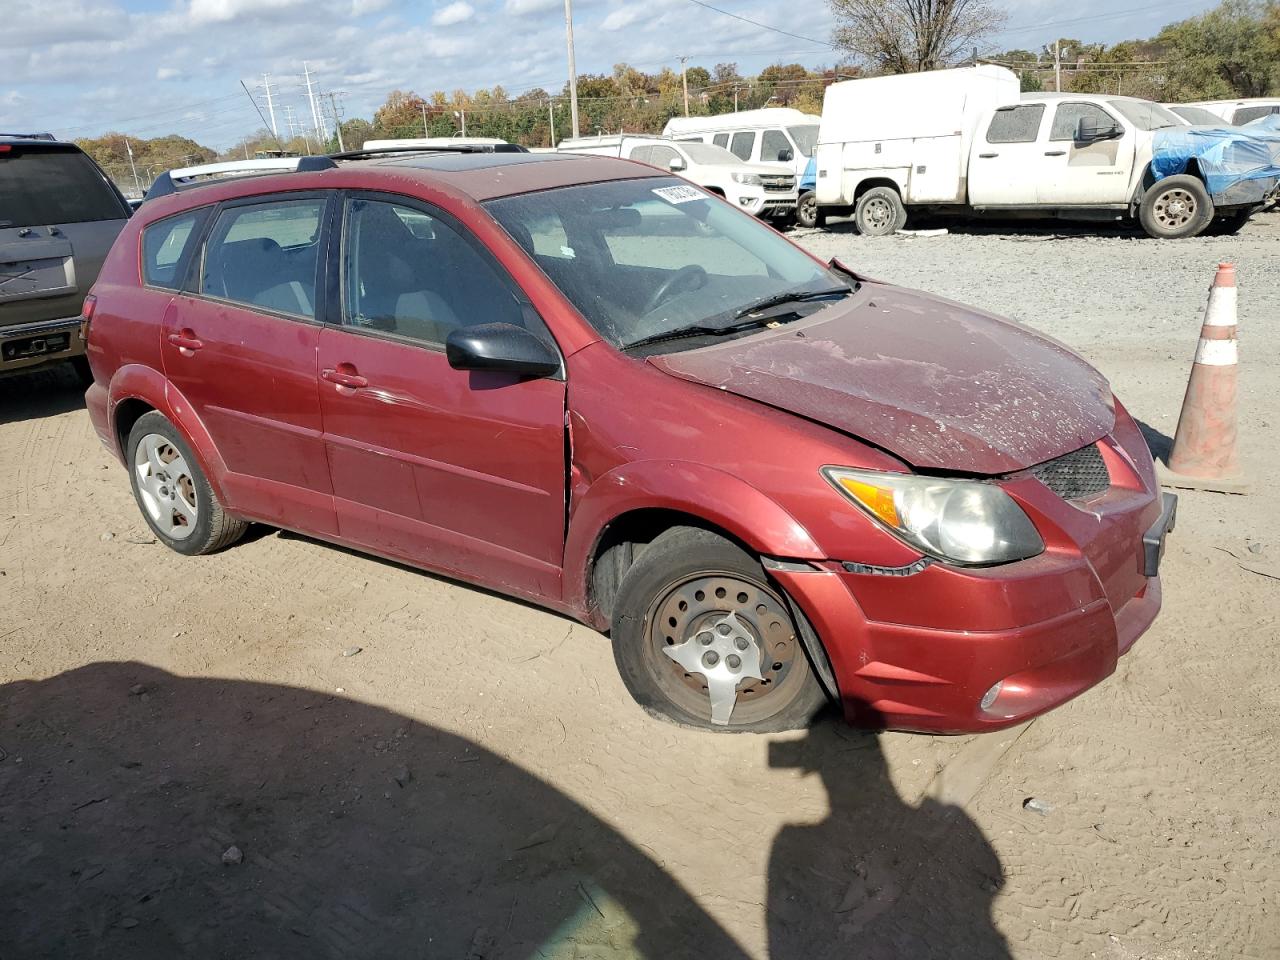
(785, 155)
(1090, 130)
(676, 164)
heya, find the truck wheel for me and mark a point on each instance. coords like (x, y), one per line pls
(704, 639)
(808, 213)
(1175, 207)
(879, 212)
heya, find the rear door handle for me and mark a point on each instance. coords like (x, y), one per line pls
(186, 341)
(987, 156)
(1055, 153)
(352, 381)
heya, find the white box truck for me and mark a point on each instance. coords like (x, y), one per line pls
(966, 141)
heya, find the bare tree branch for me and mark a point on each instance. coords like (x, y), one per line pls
(906, 36)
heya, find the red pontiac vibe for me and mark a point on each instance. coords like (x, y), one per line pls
(592, 385)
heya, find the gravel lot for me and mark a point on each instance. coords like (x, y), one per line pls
(471, 780)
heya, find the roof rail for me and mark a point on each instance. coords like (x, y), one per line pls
(185, 177)
(29, 136)
(444, 148)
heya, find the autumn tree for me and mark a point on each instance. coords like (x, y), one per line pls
(906, 36)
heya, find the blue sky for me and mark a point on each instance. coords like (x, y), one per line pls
(151, 67)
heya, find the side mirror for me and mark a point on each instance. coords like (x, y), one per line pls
(500, 347)
(785, 156)
(676, 164)
(1089, 130)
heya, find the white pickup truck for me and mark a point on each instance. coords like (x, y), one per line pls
(967, 141)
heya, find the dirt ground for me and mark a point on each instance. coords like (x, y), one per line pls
(476, 783)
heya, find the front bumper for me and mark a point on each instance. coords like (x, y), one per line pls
(25, 345)
(766, 203)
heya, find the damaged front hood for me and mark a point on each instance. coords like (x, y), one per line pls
(940, 385)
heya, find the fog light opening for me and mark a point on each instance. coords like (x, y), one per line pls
(989, 698)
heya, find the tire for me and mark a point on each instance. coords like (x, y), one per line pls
(879, 212)
(1229, 225)
(808, 213)
(84, 375)
(172, 491)
(710, 576)
(1175, 208)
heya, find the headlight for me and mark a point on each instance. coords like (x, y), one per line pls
(750, 179)
(964, 521)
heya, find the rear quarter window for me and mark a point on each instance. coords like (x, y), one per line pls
(166, 245)
(1019, 124)
(39, 186)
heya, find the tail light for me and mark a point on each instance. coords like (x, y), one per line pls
(86, 316)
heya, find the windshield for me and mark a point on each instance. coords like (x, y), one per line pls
(1198, 116)
(708, 153)
(806, 138)
(643, 258)
(1145, 115)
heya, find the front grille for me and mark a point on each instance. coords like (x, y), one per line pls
(778, 183)
(1075, 476)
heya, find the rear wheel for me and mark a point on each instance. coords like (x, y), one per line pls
(808, 213)
(1176, 207)
(701, 637)
(172, 492)
(880, 212)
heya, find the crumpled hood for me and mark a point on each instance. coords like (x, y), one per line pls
(938, 384)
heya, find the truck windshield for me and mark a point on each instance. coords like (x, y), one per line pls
(708, 153)
(1144, 115)
(641, 259)
(806, 138)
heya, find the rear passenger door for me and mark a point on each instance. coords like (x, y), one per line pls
(239, 343)
(1004, 158)
(459, 471)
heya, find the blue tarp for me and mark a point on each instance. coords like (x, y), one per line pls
(1270, 123)
(1226, 156)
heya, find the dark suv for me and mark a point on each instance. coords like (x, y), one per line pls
(59, 215)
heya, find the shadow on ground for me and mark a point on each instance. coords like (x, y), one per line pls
(1013, 229)
(46, 392)
(365, 834)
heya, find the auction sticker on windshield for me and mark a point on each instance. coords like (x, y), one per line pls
(679, 194)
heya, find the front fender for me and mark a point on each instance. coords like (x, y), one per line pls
(711, 495)
(137, 382)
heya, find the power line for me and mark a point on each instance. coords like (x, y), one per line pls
(763, 26)
(1113, 15)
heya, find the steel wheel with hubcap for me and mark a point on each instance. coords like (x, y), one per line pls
(1176, 207)
(701, 637)
(808, 213)
(172, 491)
(880, 212)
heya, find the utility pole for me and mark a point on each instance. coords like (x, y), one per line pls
(337, 120)
(1057, 66)
(321, 133)
(684, 82)
(551, 117)
(461, 114)
(425, 131)
(136, 185)
(573, 69)
(735, 98)
(271, 110)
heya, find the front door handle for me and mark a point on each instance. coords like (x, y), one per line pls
(987, 156)
(345, 378)
(186, 341)
(1055, 153)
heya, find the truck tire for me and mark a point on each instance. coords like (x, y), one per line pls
(879, 212)
(808, 213)
(1175, 207)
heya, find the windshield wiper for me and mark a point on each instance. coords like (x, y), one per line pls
(790, 296)
(682, 333)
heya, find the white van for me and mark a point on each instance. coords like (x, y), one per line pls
(1237, 112)
(772, 135)
(758, 189)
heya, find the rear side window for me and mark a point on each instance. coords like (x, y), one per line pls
(742, 144)
(773, 144)
(1067, 120)
(164, 247)
(266, 255)
(1246, 114)
(45, 187)
(1016, 124)
(721, 140)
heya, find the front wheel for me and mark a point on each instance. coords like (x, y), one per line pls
(808, 213)
(1175, 207)
(702, 638)
(880, 212)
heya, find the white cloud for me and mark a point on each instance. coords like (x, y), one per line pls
(622, 17)
(524, 8)
(361, 7)
(224, 11)
(457, 12)
(167, 73)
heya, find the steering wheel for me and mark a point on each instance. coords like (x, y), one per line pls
(674, 284)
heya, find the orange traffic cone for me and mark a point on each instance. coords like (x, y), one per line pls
(1204, 453)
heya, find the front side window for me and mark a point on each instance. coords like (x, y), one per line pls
(408, 273)
(164, 244)
(1019, 124)
(662, 156)
(806, 137)
(266, 255)
(1066, 121)
(640, 154)
(643, 258)
(742, 143)
(774, 144)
